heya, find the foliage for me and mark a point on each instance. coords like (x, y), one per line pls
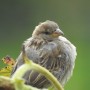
(5, 71)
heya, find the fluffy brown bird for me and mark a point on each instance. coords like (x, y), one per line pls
(48, 48)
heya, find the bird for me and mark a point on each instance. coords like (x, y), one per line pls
(49, 48)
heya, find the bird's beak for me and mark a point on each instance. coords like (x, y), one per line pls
(57, 33)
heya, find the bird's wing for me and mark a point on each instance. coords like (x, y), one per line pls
(45, 56)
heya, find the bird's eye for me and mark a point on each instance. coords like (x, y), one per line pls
(47, 32)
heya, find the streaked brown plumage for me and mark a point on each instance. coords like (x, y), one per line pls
(51, 50)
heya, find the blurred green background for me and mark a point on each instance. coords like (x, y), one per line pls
(19, 17)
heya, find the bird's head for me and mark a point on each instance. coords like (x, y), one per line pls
(47, 30)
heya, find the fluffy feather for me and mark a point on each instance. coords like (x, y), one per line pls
(49, 49)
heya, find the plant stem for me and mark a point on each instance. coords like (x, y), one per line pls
(21, 71)
(48, 75)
